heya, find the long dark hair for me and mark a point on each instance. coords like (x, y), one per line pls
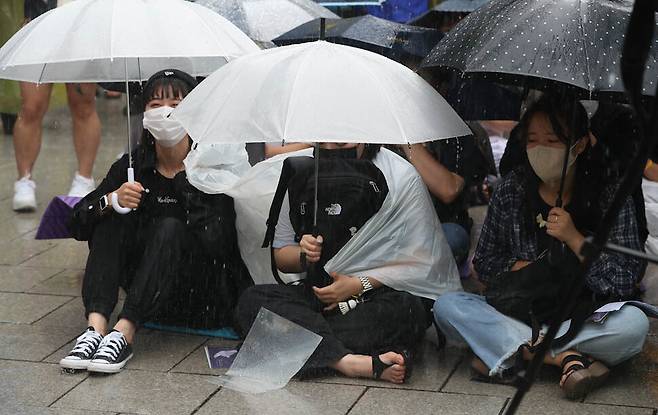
(569, 121)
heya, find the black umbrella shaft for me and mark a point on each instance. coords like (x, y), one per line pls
(316, 158)
(323, 28)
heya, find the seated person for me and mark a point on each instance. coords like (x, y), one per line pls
(449, 169)
(372, 338)
(175, 254)
(520, 226)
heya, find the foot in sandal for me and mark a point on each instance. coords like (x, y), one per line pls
(581, 375)
(391, 366)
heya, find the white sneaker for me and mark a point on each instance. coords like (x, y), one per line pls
(25, 199)
(81, 186)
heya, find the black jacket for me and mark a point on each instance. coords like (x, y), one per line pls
(211, 218)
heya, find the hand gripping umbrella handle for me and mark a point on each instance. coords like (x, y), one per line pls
(115, 197)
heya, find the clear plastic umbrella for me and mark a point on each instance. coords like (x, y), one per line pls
(317, 92)
(121, 40)
(264, 20)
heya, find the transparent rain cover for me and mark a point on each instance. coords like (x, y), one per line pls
(273, 352)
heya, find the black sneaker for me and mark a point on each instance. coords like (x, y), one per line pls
(112, 354)
(83, 351)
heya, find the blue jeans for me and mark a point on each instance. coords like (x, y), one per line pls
(495, 337)
(459, 241)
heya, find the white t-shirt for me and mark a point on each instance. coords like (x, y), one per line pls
(284, 234)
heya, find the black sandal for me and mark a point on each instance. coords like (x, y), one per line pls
(378, 367)
(581, 377)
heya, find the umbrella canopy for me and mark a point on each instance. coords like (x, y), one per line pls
(119, 40)
(530, 42)
(349, 3)
(317, 92)
(264, 20)
(394, 40)
(459, 6)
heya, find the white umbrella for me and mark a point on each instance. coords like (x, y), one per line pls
(121, 40)
(317, 92)
(264, 20)
(118, 40)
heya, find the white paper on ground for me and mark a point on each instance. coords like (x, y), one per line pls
(274, 350)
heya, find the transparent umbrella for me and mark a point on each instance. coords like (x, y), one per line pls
(264, 20)
(121, 40)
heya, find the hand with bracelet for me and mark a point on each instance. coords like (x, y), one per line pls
(343, 288)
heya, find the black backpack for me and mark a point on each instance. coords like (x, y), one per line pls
(350, 191)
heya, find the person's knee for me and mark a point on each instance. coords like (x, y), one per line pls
(458, 240)
(448, 306)
(82, 103)
(33, 111)
(169, 229)
(632, 328)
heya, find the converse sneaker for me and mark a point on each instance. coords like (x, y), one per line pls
(112, 355)
(81, 186)
(83, 351)
(24, 198)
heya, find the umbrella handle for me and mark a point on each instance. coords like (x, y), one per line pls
(115, 197)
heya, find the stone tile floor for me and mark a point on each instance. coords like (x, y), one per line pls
(41, 314)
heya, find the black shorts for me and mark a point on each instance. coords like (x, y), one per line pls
(35, 8)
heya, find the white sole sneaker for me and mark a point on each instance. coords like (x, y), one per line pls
(24, 206)
(102, 366)
(72, 363)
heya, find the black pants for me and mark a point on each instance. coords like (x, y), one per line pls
(388, 321)
(166, 277)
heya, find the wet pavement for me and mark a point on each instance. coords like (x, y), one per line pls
(41, 314)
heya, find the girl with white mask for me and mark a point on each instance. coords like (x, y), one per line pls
(175, 253)
(523, 222)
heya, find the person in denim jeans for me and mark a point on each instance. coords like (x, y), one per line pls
(521, 224)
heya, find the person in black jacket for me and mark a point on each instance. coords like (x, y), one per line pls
(175, 254)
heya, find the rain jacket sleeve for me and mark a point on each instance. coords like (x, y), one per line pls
(86, 213)
(494, 252)
(613, 273)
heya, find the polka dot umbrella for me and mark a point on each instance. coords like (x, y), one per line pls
(536, 43)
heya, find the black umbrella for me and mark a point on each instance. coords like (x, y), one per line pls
(394, 40)
(536, 43)
(434, 16)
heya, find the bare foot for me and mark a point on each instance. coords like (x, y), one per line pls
(356, 365)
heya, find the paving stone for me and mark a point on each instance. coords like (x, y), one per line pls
(72, 314)
(68, 253)
(297, 398)
(161, 351)
(634, 383)
(430, 371)
(140, 392)
(17, 226)
(197, 362)
(68, 282)
(34, 343)
(36, 410)
(35, 384)
(394, 401)
(18, 251)
(461, 382)
(27, 308)
(548, 397)
(21, 279)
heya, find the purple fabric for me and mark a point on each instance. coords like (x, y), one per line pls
(54, 219)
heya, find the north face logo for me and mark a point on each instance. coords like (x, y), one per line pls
(334, 209)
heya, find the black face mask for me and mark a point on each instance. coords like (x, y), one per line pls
(341, 153)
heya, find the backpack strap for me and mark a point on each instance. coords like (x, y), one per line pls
(275, 209)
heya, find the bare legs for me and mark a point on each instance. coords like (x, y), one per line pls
(86, 125)
(28, 128)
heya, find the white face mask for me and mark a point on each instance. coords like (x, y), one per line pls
(166, 131)
(547, 162)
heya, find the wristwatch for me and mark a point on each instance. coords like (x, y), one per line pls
(103, 203)
(365, 283)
